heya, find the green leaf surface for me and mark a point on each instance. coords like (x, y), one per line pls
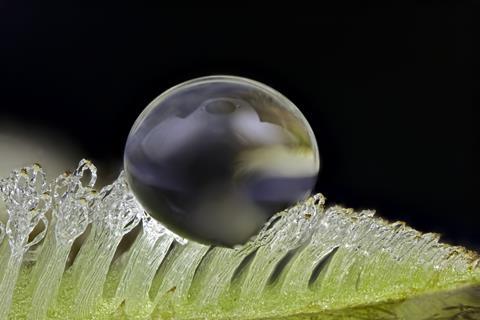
(309, 262)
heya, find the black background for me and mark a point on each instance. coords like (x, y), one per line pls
(387, 90)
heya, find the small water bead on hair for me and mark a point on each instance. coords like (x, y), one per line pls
(214, 158)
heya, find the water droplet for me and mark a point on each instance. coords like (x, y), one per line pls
(214, 158)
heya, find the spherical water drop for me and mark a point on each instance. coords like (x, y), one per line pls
(213, 158)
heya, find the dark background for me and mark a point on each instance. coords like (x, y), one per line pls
(387, 90)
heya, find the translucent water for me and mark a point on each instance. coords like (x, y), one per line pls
(214, 158)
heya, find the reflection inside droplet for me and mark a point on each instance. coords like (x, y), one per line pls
(219, 106)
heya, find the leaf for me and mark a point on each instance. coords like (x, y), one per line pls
(308, 262)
